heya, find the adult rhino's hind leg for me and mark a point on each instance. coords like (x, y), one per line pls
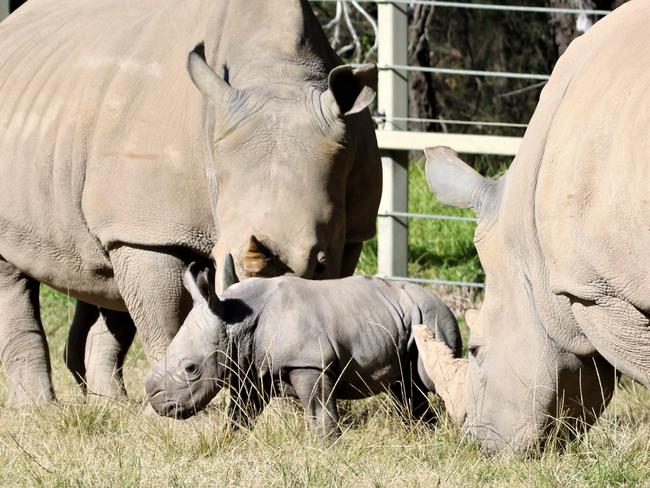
(85, 315)
(23, 347)
(108, 341)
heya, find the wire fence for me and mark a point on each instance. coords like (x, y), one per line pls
(481, 6)
(382, 118)
(400, 70)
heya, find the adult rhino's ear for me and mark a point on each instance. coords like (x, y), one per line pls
(350, 91)
(456, 183)
(228, 102)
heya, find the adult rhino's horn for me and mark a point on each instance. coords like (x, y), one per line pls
(257, 257)
(447, 373)
(456, 183)
(228, 275)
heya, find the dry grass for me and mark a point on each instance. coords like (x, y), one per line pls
(75, 444)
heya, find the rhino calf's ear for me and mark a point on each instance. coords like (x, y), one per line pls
(191, 284)
(205, 283)
(350, 91)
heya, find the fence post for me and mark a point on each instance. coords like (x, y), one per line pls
(4, 9)
(392, 101)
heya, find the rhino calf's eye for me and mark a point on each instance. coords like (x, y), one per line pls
(473, 351)
(191, 368)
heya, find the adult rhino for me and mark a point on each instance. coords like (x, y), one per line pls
(117, 171)
(564, 238)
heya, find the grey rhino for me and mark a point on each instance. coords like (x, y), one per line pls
(117, 171)
(314, 340)
(564, 238)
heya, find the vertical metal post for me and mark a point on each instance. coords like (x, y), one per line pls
(4, 9)
(392, 101)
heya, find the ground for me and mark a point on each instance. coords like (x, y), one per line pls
(116, 444)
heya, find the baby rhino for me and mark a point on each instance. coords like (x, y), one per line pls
(315, 340)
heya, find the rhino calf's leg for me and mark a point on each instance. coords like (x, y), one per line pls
(85, 315)
(410, 394)
(315, 390)
(109, 339)
(247, 400)
(23, 347)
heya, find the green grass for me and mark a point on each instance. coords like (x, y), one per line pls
(74, 444)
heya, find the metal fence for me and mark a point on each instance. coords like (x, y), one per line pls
(394, 139)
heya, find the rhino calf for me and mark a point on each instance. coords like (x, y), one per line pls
(315, 340)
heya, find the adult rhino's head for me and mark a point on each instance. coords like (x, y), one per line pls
(519, 378)
(198, 361)
(280, 158)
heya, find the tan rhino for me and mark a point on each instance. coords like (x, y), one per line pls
(564, 237)
(117, 171)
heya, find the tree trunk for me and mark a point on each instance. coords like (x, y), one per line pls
(422, 100)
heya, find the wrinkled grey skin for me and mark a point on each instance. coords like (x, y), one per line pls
(315, 340)
(564, 238)
(122, 161)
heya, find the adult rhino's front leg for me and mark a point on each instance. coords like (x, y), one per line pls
(23, 347)
(150, 282)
